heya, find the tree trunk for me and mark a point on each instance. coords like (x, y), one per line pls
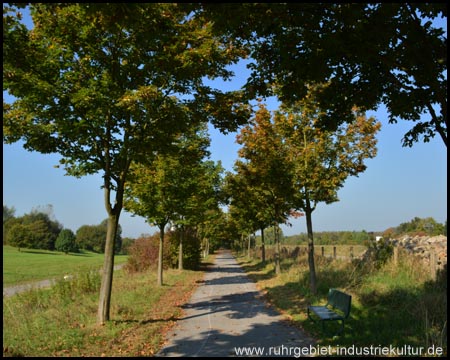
(263, 247)
(312, 269)
(277, 251)
(180, 249)
(249, 245)
(160, 254)
(206, 248)
(107, 272)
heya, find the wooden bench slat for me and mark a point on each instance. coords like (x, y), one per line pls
(325, 313)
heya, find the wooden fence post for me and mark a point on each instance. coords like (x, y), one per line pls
(334, 252)
(323, 251)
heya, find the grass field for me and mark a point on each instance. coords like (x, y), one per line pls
(30, 265)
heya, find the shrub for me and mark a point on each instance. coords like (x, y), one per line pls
(66, 241)
(379, 252)
(143, 253)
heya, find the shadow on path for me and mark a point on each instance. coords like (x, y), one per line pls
(227, 315)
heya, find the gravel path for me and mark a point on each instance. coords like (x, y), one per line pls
(227, 316)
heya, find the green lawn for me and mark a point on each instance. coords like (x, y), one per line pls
(30, 265)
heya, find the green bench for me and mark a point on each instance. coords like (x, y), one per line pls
(337, 308)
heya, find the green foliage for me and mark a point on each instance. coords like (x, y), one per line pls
(86, 282)
(426, 226)
(269, 236)
(379, 252)
(66, 241)
(398, 57)
(126, 243)
(19, 236)
(93, 237)
(8, 218)
(8, 213)
(38, 227)
(331, 238)
(191, 247)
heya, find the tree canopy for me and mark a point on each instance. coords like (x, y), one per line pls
(104, 85)
(371, 54)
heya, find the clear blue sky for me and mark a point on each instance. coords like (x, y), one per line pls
(398, 185)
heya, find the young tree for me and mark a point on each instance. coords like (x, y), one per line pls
(322, 160)
(104, 85)
(150, 193)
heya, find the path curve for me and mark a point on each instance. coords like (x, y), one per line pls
(227, 314)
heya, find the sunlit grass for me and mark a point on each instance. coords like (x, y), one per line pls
(30, 265)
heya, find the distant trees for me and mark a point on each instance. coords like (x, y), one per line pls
(8, 214)
(93, 237)
(19, 236)
(37, 229)
(331, 238)
(426, 226)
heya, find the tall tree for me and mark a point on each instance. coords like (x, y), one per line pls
(104, 85)
(371, 53)
(322, 160)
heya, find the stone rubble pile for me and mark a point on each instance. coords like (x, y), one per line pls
(423, 246)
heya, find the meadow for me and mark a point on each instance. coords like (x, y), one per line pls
(29, 265)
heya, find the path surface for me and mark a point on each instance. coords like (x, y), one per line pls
(12, 290)
(227, 313)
